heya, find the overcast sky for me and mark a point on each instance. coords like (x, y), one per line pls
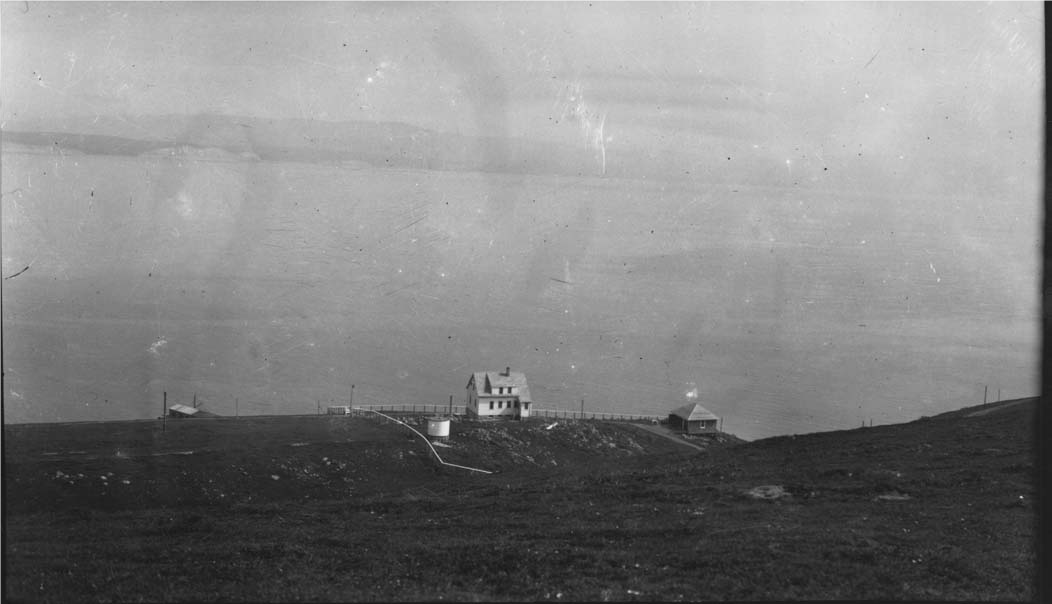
(821, 84)
(915, 124)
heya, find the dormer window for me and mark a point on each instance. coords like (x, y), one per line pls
(502, 390)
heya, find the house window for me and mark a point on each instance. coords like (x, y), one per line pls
(526, 406)
(491, 405)
(516, 404)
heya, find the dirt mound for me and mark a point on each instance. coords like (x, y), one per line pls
(769, 492)
(506, 445)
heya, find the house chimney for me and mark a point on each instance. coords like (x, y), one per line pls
(507, 371)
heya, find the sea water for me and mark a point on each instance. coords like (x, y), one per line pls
(782, 309)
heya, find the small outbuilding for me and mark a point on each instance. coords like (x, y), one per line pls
(693, 419)
(187, 411)
(182, 411)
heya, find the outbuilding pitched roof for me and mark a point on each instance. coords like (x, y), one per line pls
(693, 412)
(183, 409)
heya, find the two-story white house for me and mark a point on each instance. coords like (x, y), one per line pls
(498, 394)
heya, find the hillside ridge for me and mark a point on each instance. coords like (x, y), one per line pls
(339, 509)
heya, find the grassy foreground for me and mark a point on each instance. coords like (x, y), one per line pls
(344, 509)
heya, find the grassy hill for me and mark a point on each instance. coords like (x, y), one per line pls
(342, 509)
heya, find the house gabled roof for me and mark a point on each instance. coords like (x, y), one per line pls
(183, 409)
(487, 381)
(693, 412)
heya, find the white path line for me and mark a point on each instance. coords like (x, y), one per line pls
(429, 445)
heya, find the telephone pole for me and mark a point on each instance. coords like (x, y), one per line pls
(164, 411)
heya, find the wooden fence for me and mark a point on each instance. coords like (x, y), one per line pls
(409, 409)
(594, 415)
(426, 409)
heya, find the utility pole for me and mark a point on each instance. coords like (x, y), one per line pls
(450, 405)
(319, 406)
(352, 395)
(164, 411)
(582, 408)
(984, 394)
(195, 400)
(236, 401)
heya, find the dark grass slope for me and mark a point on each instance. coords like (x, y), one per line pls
(935, 509)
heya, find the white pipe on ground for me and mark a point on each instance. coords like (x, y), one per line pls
(429, 445)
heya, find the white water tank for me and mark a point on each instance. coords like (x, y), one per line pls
(438, 427)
